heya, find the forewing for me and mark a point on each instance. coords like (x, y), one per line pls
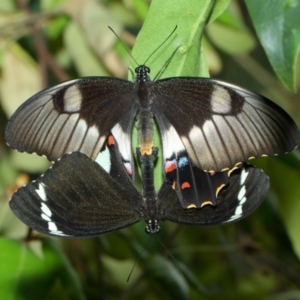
(246, 190)
(222, 125)
(76, 197)
(73, 116)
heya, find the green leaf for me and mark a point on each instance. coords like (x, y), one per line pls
(229, 32)
(23, 274)
(190, 17)
(219, 7)
(277, 25)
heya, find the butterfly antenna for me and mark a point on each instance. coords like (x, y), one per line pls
(138, 258)
(161, 44)
(165, 64)
(123, 44)
(170, 254)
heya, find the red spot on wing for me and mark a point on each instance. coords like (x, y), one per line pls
(170, 166)
(185, 185)
(110, 140)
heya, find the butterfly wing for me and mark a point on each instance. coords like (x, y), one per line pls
(246, 190)
(220, 124)
(76, 197)
(73, 116)
(193, 186)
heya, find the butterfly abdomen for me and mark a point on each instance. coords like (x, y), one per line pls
(145, 132)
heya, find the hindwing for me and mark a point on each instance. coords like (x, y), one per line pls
(247, 188)
(78, 197)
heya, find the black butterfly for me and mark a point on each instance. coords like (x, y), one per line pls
(205, 125)
(77, 197)
(219, 125)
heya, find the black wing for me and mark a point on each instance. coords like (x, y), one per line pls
(221, 124)
(246, 190)
(76, 197)
(74, 116)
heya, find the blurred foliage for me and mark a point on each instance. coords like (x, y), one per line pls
(45, 42)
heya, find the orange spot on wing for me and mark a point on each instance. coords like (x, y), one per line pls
(185, 185)
(110, 140)
(170, 167)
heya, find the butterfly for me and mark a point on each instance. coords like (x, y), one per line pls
(219, 125)
(77, 197)
(209, 129)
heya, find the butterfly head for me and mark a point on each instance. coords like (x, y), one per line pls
(142, 73)
(152, 227)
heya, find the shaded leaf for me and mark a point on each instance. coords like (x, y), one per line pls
(14, 90)
(190, 18)
(89, 66)
(229, 32)
(287, 190)
(277, 25)
(168, 276)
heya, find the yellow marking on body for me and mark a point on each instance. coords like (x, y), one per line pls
(238, 164)
(207, 202)
(219, 189)
(251, 157)
(192, 206)
(264, 155)
(173, 185)
(146, 147)
(146, 151)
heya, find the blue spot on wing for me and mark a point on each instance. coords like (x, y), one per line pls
(183, 161)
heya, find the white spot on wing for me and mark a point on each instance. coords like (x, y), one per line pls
(52, 226)
(103, 159)
(45, 217)
(242, 193)
(124, 142)
(220, 100)
(41, 192)
(72, 99)
(45, 209)
(171, 143)
(244, 176)
(54, 230)
(241, 197)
